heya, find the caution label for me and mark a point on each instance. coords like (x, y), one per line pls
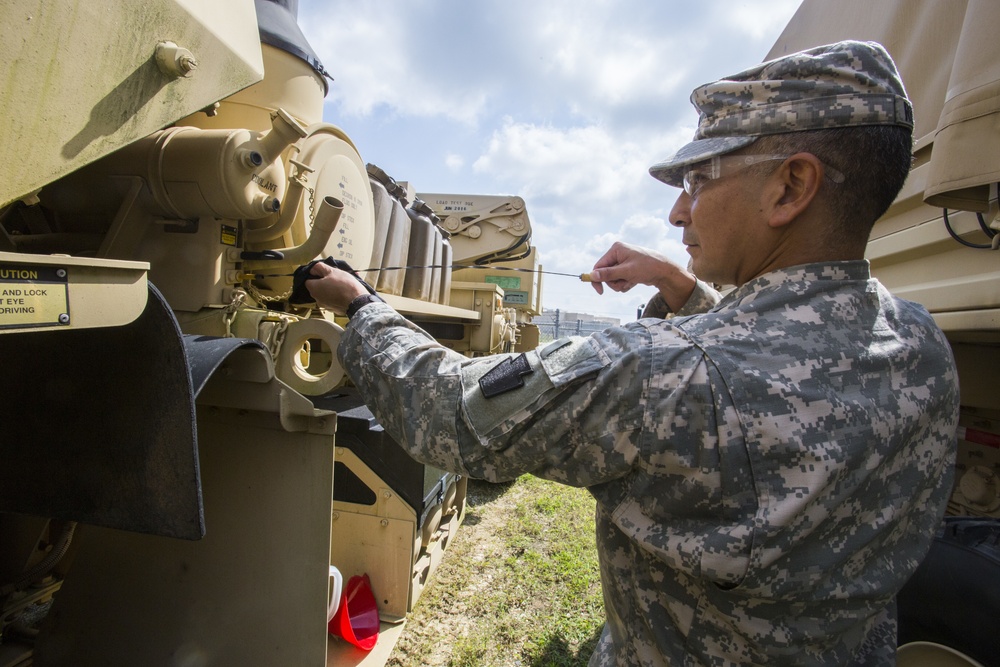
(33, 296)
(229, 235)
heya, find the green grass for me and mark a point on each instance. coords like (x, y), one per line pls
(519, 585)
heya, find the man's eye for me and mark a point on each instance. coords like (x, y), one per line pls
(693, 180)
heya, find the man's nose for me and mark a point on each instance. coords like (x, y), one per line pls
(680, 214)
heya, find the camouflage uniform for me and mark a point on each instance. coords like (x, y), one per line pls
(767, 474)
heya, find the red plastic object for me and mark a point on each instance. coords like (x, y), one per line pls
(357, 618)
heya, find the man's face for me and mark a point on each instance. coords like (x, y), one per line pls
(721, 221)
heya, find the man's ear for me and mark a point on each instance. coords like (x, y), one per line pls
(792, 188)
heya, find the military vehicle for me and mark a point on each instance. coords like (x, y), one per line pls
(937, 245)
(183, 462)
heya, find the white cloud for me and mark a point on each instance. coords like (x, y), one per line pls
(454, 161)
(583, 164)
(609, 66)
(656, 233)
(379, 62)
(611, 63)
(575, 249)
(758, 20)
(585, 189)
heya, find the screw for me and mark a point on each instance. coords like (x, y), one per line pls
(64, 318)
(384, 522)
(187, 63)
(61, 273)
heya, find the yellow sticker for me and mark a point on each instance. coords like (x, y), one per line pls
(229, 235)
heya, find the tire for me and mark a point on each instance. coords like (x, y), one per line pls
(953, 599)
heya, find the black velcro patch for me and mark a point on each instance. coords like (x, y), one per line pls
(505, 376)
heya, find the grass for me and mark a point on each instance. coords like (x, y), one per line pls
(518, 586)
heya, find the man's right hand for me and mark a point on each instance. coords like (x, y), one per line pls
(624, 266)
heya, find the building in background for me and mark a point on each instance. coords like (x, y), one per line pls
(556, 323)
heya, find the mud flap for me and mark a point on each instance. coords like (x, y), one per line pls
(99, 424)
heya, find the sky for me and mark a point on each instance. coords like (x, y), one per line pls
(564, 103)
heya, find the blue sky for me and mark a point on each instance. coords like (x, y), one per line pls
(565, 103)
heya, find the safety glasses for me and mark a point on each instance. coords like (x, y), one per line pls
(722, 165)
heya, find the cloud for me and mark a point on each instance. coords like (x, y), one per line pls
(608, 66)
(454, 161)
(462, 61)
(753, 19)
(381, 63)
(575, 250)
(586, 188)
(588, 164)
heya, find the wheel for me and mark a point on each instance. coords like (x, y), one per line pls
(948, 609)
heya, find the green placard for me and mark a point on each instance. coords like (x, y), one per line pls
(505, 282)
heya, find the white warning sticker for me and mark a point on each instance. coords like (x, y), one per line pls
(32, 296)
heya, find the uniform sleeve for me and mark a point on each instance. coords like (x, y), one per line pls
(702, 299)
(570, 411)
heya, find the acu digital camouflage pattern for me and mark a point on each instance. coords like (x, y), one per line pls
(703, 298)
(768, 474)
(847, 84)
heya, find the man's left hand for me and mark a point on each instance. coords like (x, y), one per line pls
(333, 289)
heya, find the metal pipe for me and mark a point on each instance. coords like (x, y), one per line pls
(284, 132)
(289, 209)
(326, 221)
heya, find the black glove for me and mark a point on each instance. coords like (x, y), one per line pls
(300, 295)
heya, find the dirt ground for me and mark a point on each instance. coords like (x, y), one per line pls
(442, 613)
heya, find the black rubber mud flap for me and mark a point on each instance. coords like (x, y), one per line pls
(99, 424)
(954, 596)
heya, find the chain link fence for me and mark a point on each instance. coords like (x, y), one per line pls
(553, 324)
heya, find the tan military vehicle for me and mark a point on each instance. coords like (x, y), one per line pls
(183, 464)
(937, 245)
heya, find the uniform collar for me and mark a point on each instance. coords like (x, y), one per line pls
(799, 278)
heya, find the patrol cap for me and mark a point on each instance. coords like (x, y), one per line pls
(847, 84)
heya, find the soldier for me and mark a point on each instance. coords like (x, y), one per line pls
(769, 467)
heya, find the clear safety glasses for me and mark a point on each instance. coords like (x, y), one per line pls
(722, 165)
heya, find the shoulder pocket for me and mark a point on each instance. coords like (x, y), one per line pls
(568, 359)
(539, 374)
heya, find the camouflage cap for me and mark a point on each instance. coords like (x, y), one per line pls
(846, 84)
